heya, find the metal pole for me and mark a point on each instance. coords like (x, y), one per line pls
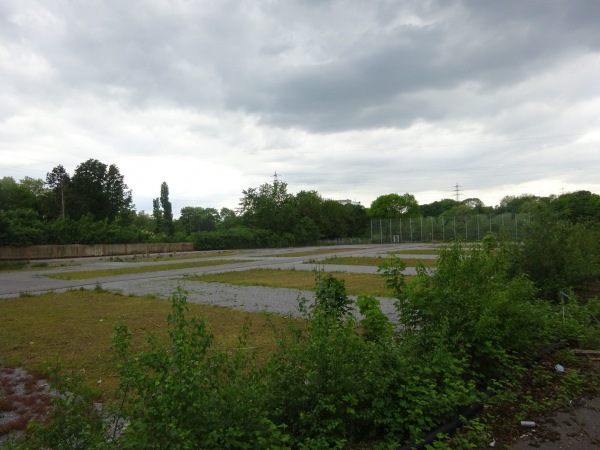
(410, 225)
(454, 227)
(432, 228)
(421, 228)
(400, 229)
(443, 229)
(380, 232)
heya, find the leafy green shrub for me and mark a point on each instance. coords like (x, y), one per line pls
(190, 396)
(559, 256)
(331, 382)
(485, 314)
(330, 296)
(376, 325)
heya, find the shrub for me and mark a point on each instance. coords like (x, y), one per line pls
(486, 315)
(558, 256)
(334, 386)
(190, 396)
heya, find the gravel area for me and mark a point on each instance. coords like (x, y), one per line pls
(246, 298)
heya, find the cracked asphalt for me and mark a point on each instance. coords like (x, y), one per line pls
(164, 282)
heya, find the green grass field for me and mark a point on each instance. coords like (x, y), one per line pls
(373, 261)
(325, 251)
(415, 252)
(74, 329)
(356, 283)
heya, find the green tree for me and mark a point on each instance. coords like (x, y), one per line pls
(437, 208)
(167, 209)
(477, 206)
(228, 219)
(99, 190)
(15, 195)
(309, 204)
(21, 227)
(512, 203)
(193, 219)
(157, 215)
(58, 180)
(577, 206)
(391, 206)
(358, 220)
(143, 221)
(334, 220)
(269, 207)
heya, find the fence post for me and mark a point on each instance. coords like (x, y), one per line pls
(401, 230)
(443, 229)
(454, 227)
(432, 239)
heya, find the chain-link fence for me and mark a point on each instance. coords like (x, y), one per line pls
(433, 229)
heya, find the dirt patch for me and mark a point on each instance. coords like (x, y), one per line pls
(23, 398)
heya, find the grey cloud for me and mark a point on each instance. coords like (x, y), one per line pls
(233, 56)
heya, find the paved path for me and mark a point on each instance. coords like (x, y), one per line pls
(15, 283)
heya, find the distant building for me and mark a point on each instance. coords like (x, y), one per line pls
(347, 202)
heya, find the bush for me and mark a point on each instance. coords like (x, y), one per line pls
(189, 395)
(485, 314)
(334, 386)
(558, 256)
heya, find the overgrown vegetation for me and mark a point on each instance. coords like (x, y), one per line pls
(374, 261)
(561, 257)
(355, 283)
(338, 380)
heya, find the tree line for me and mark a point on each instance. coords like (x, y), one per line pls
(94, 205)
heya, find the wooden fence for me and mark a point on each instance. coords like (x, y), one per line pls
(81, 251)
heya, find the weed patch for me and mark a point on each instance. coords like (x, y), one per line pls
(374, 261)
(370, 284)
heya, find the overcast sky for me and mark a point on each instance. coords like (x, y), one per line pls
(353, 99)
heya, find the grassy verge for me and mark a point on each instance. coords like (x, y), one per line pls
(175, 256)
(75, 329)
(139, 269)
(415, 252)
(373, 261)
(356, 283)
(314, 252)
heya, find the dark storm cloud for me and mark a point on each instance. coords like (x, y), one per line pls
(375, 83)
